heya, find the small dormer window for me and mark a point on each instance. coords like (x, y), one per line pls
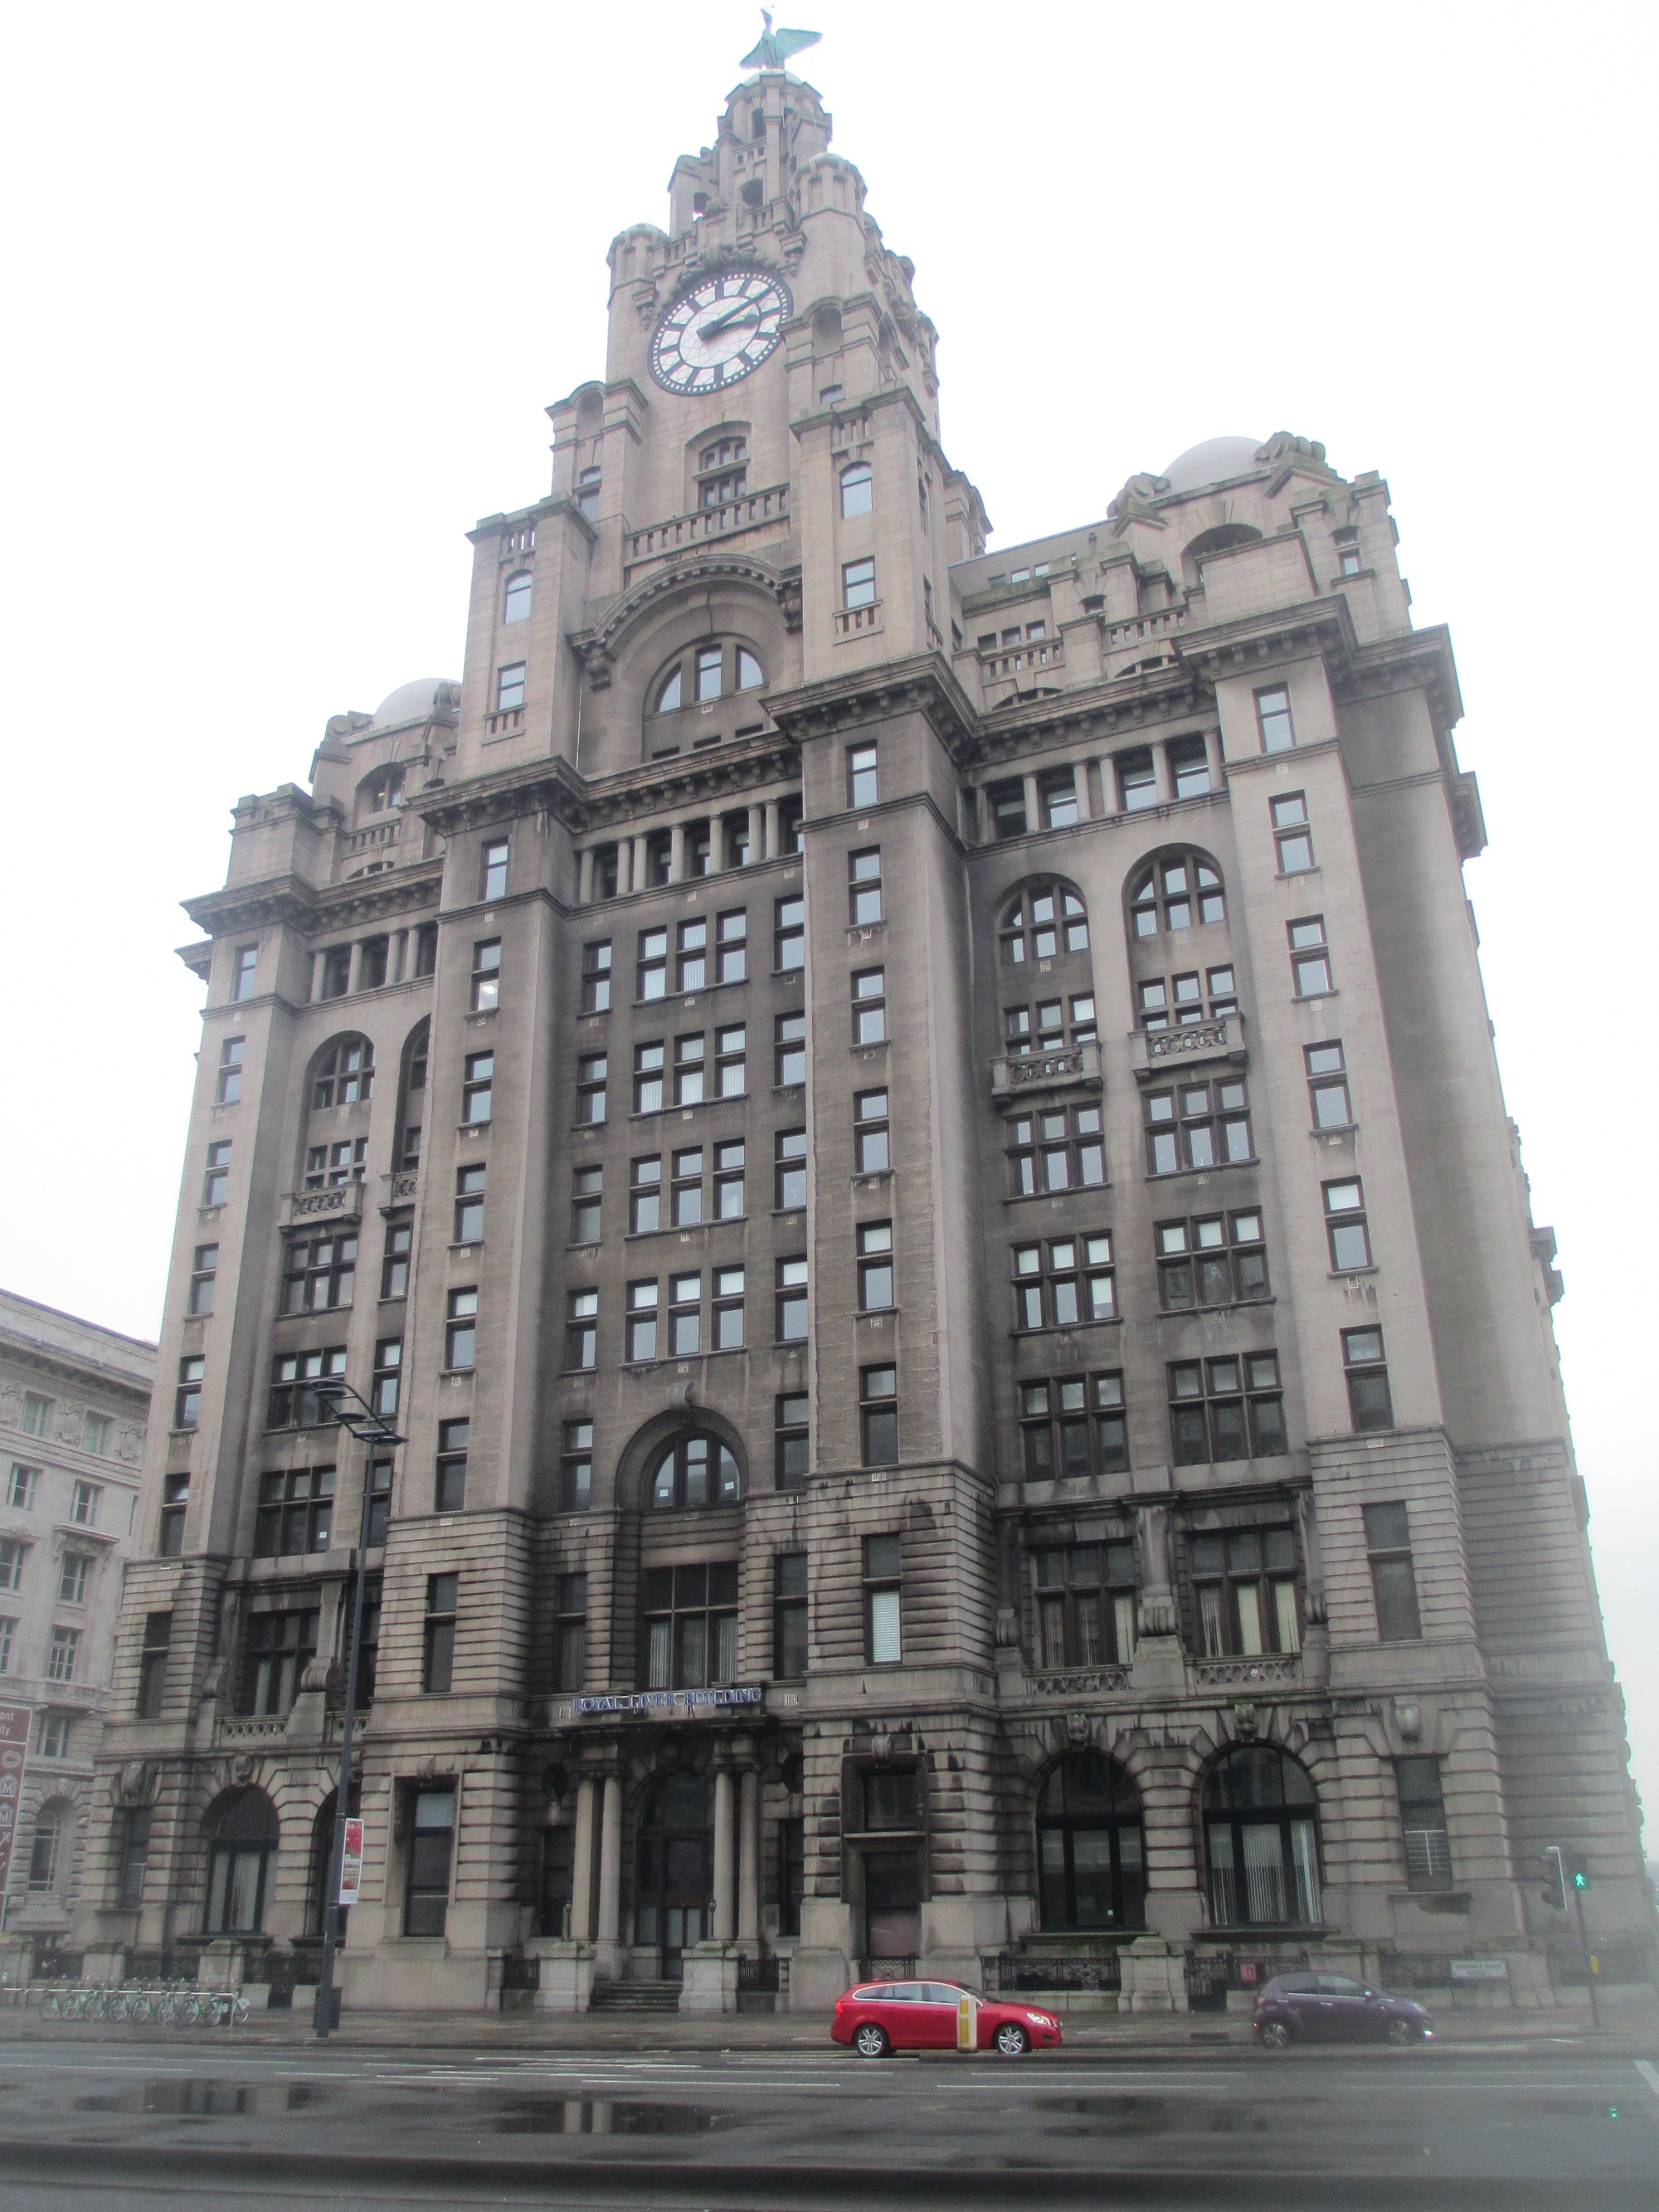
(515, 604)
(384, 790)
(587, 494)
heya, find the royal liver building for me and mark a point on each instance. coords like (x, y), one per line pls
(909, 1137)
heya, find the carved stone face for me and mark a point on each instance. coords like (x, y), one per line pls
(1076, 1728)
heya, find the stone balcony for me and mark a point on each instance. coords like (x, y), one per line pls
(1260, 1671)
(1068, 1067)
(339, 1202)
(767, 509)
(251, 1728)
(1157, 1052)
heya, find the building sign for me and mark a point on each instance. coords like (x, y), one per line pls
(666, 1702)
(351, 1862)
(14, 1751)
(1479, 1969)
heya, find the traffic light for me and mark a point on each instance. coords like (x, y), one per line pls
(1553, 1866)
(1577, 1871)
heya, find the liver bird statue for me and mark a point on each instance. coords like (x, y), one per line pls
(776, 46)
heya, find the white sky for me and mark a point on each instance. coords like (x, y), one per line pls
(287, 291)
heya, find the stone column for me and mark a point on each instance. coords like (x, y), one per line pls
(771, 827)
(723, 1854)
(1214, 753)
(317, 965)
(636, 874)
(1033, 819)
(756, 833)
(1080, 781)
(749, 1856)
(581, 1888)
(610, 1835)
(354, 971)
(677, 853)
(1161, 772)
(584, 876)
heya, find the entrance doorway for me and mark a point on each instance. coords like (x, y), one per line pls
(674, 1875)
(892, 1912)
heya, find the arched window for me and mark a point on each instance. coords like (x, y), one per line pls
(49, 1852)
(856, 489)
(675, 1870)
(382, 791)
(695, 1469)
(242, 1835)
(716, 669)
(1262, 1834)
(344, 1076)
(722, 470)
(1177, 891)
(1091, 1863)
(515, 603)
(1222, 539)
(411, 1102)
(1045, 920)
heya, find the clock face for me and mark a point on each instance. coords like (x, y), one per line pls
(713, 336)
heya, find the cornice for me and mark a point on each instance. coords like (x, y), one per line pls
(555, 788)
(1418, 659)
(1223, 649)
(925, 684)
(290, 900)
(1112, 708)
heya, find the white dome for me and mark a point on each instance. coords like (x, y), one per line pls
(414, 702)
(1212, 462)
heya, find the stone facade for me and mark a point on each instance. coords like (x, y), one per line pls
(73, 1411)
(933, 1207)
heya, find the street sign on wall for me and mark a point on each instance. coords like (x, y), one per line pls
(13, 1752)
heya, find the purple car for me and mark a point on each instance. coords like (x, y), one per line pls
(1335, 2008)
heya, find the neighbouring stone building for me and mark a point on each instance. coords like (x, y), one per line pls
(74, 1407)
(911, 1138)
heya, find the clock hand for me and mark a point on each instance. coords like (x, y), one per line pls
(744, 309)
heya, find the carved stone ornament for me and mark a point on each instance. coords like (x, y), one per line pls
(1077, 1730)
(1408, 1719)
(792, 605)
(242, 1767)
(1286, 446)
(1247, 1720)
(11, 1404)
(69, 1420)
(881, 1747)
(1007, 1629)
(130, 1445)
(1138, 491)
(135, 1784)
(601, 670)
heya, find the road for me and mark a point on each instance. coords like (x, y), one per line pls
(89, 2124)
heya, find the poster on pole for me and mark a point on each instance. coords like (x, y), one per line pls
(351, 1862)
(13, 1752)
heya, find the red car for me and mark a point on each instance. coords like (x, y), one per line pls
(878, 2018)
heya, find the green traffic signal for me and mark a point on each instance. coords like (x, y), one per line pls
(1580, 1879)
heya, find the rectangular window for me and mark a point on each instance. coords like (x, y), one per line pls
(1137, 781)
(1272, 716)
(1344, 1225)
(431, 1848)
(685, 1203)
(864, 887)
(229, 1088)
(875, 1247)
(383, 1389)
(643, 1321)
(870, 1133)
(1060, 1149)
(792, 1440)
(570, 1633)
(1064, 1283)
(320, 1274)
(878, 1416)
(74, 1573)
(379, 1501)
(12, 1555)
(203, 1267)
(1057, 797)
(215, 1183)
(97, 1434)
(280, 1646)
(684, 1317)
(296, 1513)
(1245, 1599)
(175, 1501)
(581, 1331)
(1224, 1409)
(577, 1468)
(789, 1615)
(187, 1398)
(1310, 958)
(1198, 1125)
(478, 1090)
(728, 1180)
(1074, 1425)
(296, 1402)
(1217, 1260)
(858, 589)
(650, 1063)
(438, 1654)
(492, 869)
(330, 1167)
(645, 1195)
(587, 1197)
(1369, 1398)
(509, 688)
(486, 975)
(1190, 767)
(1083, 1605)
(791, 1301)
(789, 1174)
(789, 936)
(1292, 834)
(395, 1259)
(1006, 802)
(730, 1061)
(884, 1643)
(84, 1505)
(470, 1203)
(1422, 1824)
(461, 1329)
(1393, 1578)
(870, 1007)
(246, 961)
(132, 1862)
(7, 1629)
(596, 976)
(335, 979)
(726, 1293)
(450, 1487)
(1327, 1087)
(789, 1050)
(52, 1736)
(691, 956)
(37, 1413)
(153, 1665)
(590, 1089)
(651, 971)
(689, 1640)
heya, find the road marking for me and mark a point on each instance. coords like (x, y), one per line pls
(1648, 2074)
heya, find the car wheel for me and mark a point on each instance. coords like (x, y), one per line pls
(1398, 2033)
(871, 2041)
(1274, 2035)
(1012, 2041)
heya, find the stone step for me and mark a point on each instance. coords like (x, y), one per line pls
(635, 1996)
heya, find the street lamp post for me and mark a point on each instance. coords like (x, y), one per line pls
(369, 1431)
